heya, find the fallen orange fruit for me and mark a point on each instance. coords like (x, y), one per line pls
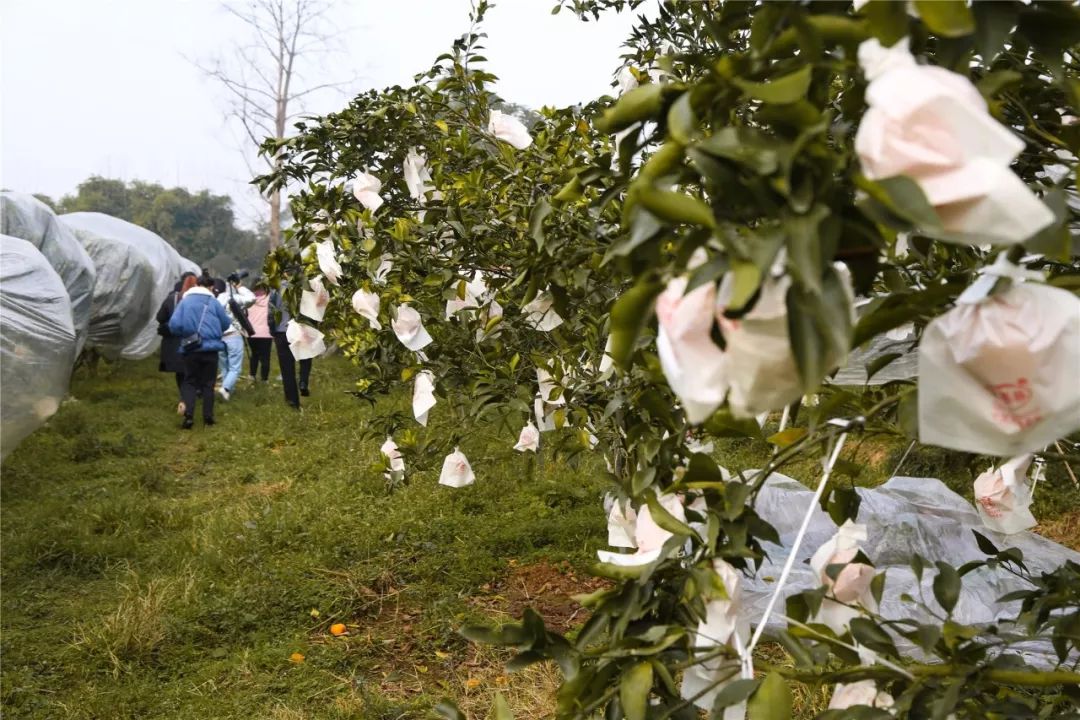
(472, 683)
(296, 658)
(337, 629)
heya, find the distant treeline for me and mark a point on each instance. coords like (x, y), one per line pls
(200, 225)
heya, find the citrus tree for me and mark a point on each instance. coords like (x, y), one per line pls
(673, 264)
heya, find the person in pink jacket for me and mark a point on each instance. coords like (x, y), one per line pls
(262, 341)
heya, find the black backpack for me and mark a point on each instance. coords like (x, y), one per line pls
(240, 315)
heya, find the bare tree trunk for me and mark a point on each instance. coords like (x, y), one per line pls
(275, 220)
(264, 76)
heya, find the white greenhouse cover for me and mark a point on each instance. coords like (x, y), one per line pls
(25, 217)
(136, 270)
(37, 341)
(903, 516)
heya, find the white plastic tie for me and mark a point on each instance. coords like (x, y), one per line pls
(747, 655)
(983, 285)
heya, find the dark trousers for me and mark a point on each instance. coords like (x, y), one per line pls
(180, 384)
(305, 374)
(287, 363)
(260, 356)
(200, 372)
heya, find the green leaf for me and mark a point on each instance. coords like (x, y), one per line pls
(509, 635)
(917, 565)
(806, 254)
(746, 281)
(702, 468)
(907, 414)
(881, 361)
(501, 710)
(947, 586)
(788, 436)
(661, 162)
(834, 317)
(994, 82)
(780, 91)
(523, 660)
(733, 693)
(447, 709)
(899, 308)
(843, 505)
(681, 121)
(620, 573)
(735, 496)
(867, 633)
(794, 646)
(877, 587)
(888, 20)
(927, 636)
(641, 103)
(724, 424)
(771, 701)
(745, 146)
(985, 544)
(642, 479)
(708, 272)
(536, 221)
(948, 18)
(1055, 240)
(666, 520)
(572, 190)
(676, 207)
(634, 690)
(806, 342)
(629, 315)
(901, 197)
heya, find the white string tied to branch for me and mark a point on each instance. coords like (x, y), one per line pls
(746, 655)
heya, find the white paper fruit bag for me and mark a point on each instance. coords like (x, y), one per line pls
(761, 371)
(1001, 375)
(1003, 497)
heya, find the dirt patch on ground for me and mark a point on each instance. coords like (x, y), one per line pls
(545, 587)
(1064, 529)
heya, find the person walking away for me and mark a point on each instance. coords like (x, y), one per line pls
(171, 360)
(261, 341)
(199, 321)
(279, 322)
(234, 300)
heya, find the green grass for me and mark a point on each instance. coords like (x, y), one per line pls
(154, 573)
(149, 572)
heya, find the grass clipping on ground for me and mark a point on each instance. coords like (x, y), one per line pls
(154, 573)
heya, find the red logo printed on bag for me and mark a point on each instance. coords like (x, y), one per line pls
(1012, 404)
(989, 507)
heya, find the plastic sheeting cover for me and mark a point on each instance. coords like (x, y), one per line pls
(904, 367)
(24, 216)
(136, 270)
(37, 341)
(904, 516)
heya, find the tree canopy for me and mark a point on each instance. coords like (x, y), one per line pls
(200, 225)
(653, 270)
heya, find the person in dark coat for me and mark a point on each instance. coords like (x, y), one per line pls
(199, 321)
(171, 361)
(279, 323)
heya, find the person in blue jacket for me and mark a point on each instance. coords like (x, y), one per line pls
(199, 321)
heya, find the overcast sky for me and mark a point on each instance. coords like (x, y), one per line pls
(106, 87)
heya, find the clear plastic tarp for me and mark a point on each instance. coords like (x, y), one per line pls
(37, 341)
(136, 270)
(24, 216)
(904, 516)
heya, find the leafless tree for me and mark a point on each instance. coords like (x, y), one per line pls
(267, 75)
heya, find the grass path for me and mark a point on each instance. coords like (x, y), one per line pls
(154, 573)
